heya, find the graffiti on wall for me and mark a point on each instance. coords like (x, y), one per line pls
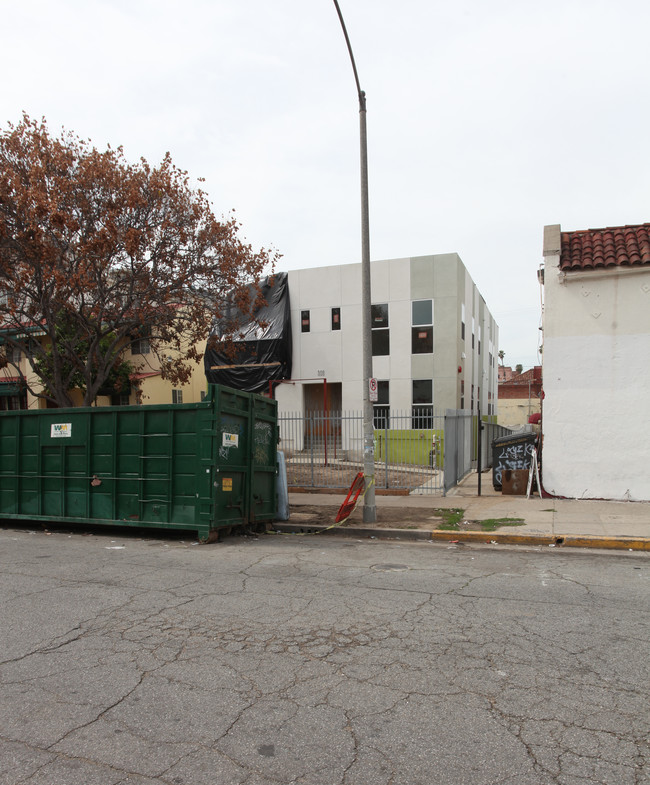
(512, 456)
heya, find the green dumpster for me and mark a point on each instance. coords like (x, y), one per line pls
(200, 466)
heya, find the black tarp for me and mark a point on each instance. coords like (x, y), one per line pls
(261, 350)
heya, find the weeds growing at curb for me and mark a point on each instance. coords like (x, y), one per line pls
(452, 518)
(491, 524)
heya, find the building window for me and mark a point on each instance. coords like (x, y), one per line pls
(203, 395)
(120, 400)
(32, 348)
(336, 318)
(472, 401)
(380, 334)
(177, 396)
(479, 339)
(10, 403)
(462, 394)
(14, 355)
(422, 327)
(140, 344)
(381, 410)
(13, 396)
(304, 321)
(462, 321)
(422, 410)
(473, 323)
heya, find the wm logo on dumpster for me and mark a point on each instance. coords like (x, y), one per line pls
(61, 430)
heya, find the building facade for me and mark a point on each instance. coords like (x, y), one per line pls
(147, 386)
(596, 374)
(519, 396)
(434, 340)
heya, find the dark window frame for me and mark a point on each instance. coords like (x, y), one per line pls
(381, 409)
(422, 404)
(381, 333)
(141, 344)
(421, 329)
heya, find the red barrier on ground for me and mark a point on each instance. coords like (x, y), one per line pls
(347, 508)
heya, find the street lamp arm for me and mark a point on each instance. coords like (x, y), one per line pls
(362, 95)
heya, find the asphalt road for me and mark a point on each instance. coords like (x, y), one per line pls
(320, 661)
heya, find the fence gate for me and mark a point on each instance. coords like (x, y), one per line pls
(458, 446)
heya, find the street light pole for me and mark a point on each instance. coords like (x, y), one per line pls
(369, 507)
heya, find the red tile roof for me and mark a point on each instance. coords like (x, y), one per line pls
(618, 246)
(135, 376)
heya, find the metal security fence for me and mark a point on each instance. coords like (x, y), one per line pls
(325, 449)
(492, 431)
(420, 451)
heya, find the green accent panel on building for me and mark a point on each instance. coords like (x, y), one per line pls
(199, 466)
(410, 447)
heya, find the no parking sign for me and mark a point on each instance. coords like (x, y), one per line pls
(372, 390)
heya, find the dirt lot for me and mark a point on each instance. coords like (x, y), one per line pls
(387, 517)
(339, 476)
(423, 518)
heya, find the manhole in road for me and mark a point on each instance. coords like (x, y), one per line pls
(390, 567)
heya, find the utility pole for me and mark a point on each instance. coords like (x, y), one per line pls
(369, 506)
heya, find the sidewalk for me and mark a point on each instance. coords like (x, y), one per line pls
(557, 522)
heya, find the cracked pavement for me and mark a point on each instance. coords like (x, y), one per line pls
(309, 660)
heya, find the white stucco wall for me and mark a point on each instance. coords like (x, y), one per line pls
(596, 370)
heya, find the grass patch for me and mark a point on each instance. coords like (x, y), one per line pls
(452, 520)
(449, 518)
(491, 524)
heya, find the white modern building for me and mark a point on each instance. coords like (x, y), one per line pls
(596, 363)
(434, 340)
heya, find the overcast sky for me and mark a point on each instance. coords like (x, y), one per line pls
(487, 119)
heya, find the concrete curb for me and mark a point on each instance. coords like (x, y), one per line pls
(559, 540)
(486, 538)
(353, 531)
